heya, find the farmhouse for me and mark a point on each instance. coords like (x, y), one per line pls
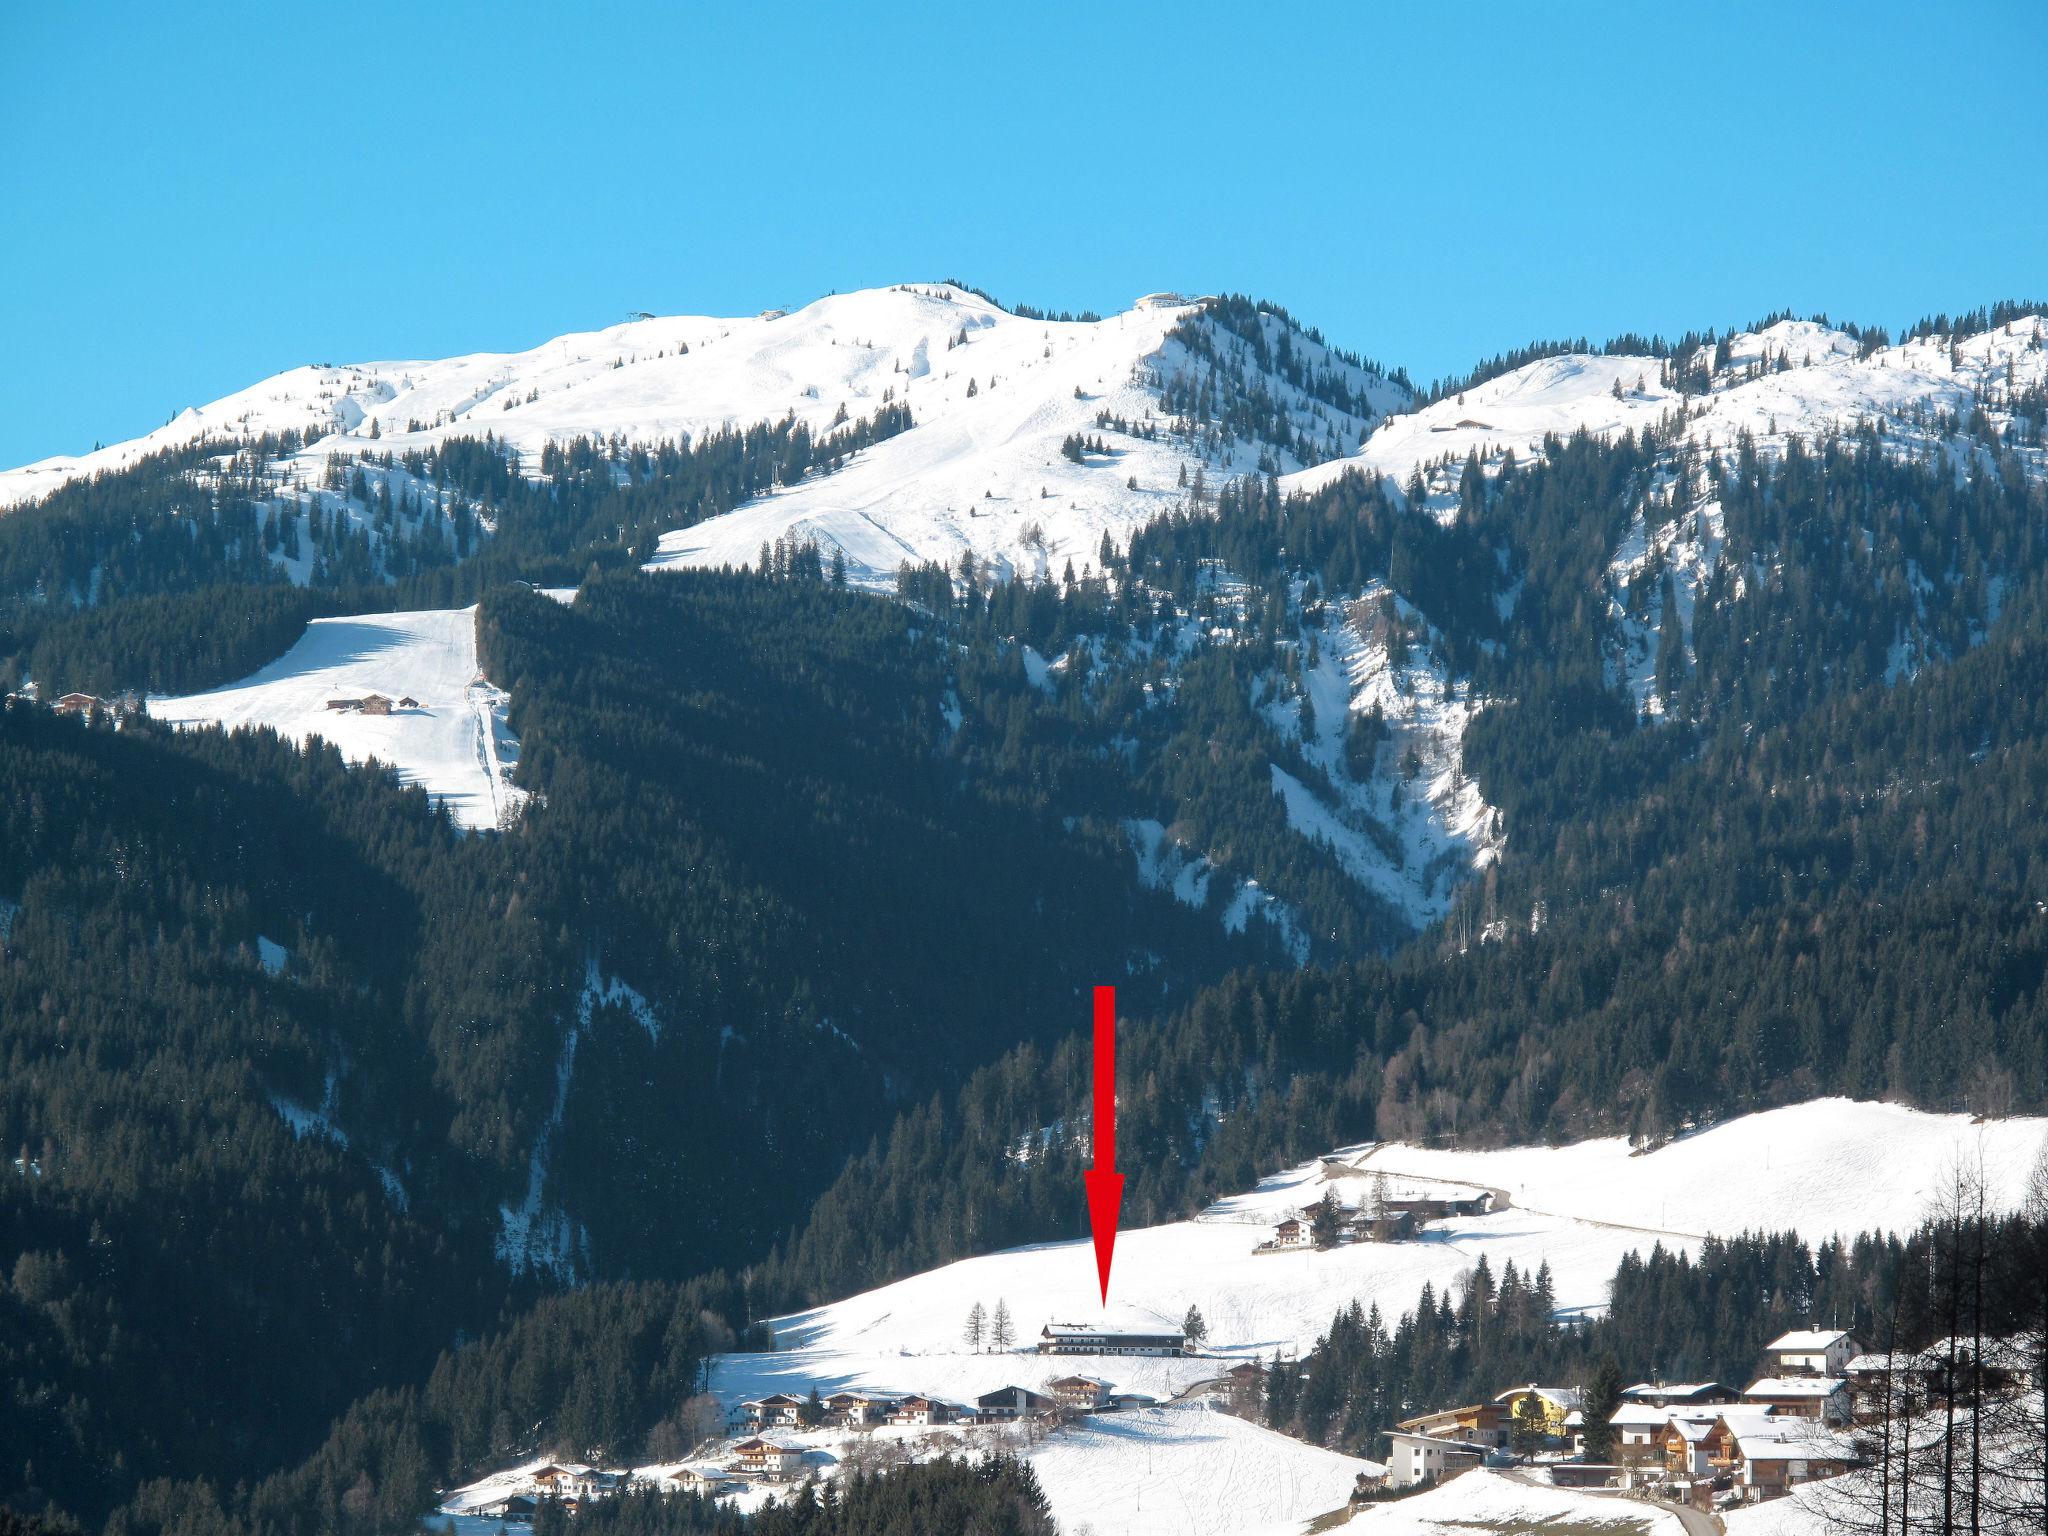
(1426, 1459)
(1083, 1392)
(1437, 1207)
(922, 1410)
(709, 1480)
(1008, 1403)
(1293, 1233)
(1474, 1424)
(1812, 1352)
(765, 1459)
(76, 704)
(1133, 1336)
(858, 1410)
(777, 1409)
(368, 704)
(1765, 1456)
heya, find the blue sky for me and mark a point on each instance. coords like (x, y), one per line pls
(196, 196)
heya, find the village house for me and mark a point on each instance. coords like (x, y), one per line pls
(858, 1410)
(1007, 1404)
(1765, 1456)
(1945, 1369)
(1557, 1412)
(1426, 1459)
(1475, 1424)
(766, 1460)
(1808, 1397)
(76, 704)
(1292, 1233)
(1638, 1429)
(708, 1480)
(1159, 1338)
(777, 1410)
(1811, 1352)
(1686, 1453)
(1082, 1392)
(921, 1411)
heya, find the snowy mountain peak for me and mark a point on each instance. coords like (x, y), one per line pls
(1031, 438)
(1791, 378)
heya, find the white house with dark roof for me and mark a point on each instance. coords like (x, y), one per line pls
(1122, 1331)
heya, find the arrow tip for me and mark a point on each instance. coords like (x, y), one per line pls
(1105, 1203)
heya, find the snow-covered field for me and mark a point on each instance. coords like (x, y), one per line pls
(1495, 1501)
(1188, 1471)
(1820, 1168)
(455, 743)
(1183, 1470)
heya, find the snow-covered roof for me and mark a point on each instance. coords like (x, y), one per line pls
(1638, 1413)
(1795, 1386)
(1566, 1398)
(1801, 1340)
(1790, 1440)
(1117, 1320)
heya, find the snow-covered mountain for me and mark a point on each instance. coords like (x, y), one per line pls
(1796, 377)
(993, 396)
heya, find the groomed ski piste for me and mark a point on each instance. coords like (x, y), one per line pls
(452, 740)
(1820, 1169)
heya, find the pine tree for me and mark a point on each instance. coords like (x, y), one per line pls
(1602, 1397)
(1194, 1327)
(1000, 1334)
(977, 1322)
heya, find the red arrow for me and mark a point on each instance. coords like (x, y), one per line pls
(1105, 1184)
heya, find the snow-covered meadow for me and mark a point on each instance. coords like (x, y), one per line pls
(453, 741)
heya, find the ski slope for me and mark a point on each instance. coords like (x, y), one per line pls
(456, 744)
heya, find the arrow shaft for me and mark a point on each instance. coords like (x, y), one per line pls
(1105, 1078)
